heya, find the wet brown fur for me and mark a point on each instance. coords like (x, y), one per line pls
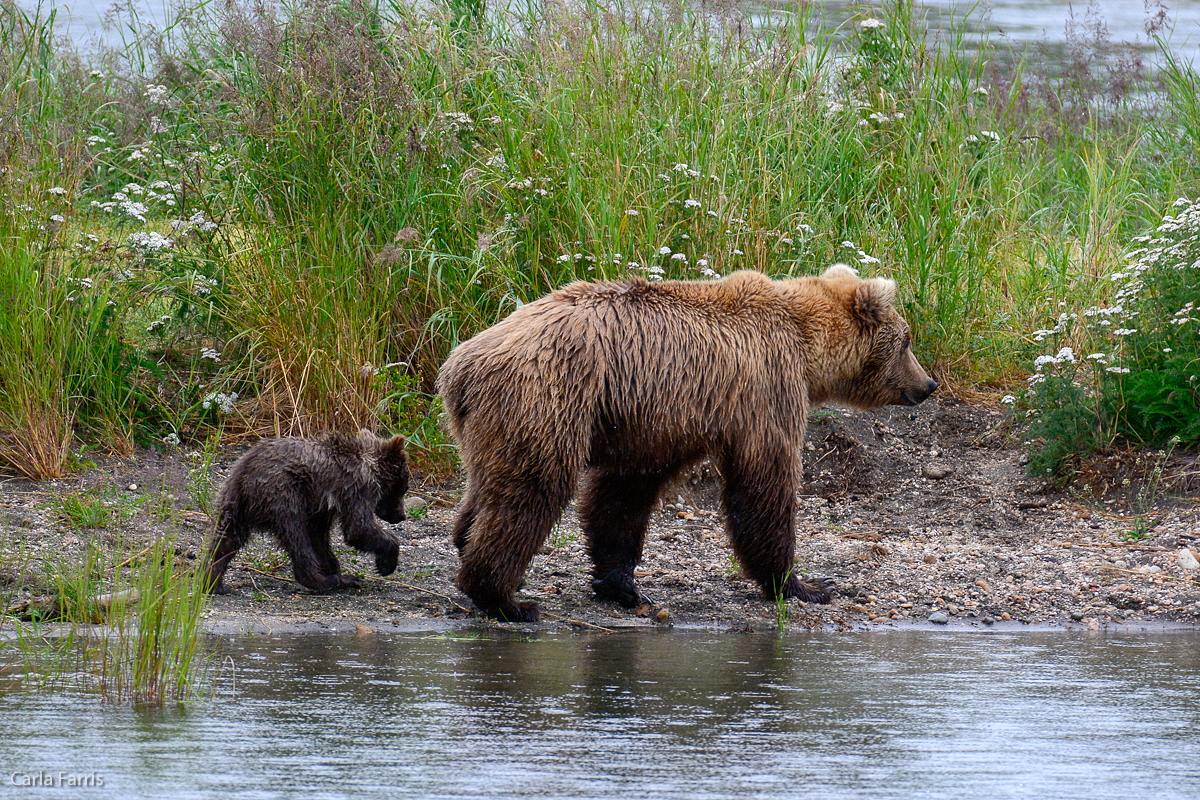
(624, 384)
(296, 488)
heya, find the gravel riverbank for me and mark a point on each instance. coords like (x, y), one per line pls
(920, 515)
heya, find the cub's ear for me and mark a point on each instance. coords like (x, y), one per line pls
(873, 301)
(840, 272)
(394, 448)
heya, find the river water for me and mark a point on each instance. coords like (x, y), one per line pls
(1019, 23)
(644, 714)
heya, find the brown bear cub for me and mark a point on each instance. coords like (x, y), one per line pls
(625, 384)
(295, 488)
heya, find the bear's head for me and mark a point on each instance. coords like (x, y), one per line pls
(869, 361)
(391, 464)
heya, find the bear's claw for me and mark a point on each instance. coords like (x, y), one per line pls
(620, 587)
(817, 590)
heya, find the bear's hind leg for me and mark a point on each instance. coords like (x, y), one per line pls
(506, 532)
(760, 511)
(465, 519)
(614, 510)
(229, 537)
(297, 532)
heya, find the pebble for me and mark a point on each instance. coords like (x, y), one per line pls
(939, 617)
(132, 487)
(415, 505)
(1187, 560)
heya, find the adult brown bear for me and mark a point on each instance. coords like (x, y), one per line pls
(625, 384)
(296, 488)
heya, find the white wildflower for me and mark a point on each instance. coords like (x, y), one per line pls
(58, 190)
(221, 400)
(209, 353)
(664, 251)
(690, 203)
(171, 439)
(148, 242)
(870, 24)
(1008, 399)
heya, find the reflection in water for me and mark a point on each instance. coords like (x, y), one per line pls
(654, 714)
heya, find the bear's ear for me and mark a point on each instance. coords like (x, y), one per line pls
(840, 272)
(873, 301)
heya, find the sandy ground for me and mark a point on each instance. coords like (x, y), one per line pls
(921, 516)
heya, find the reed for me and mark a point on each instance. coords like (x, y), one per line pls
(125, 632)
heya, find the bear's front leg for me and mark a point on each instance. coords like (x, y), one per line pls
(363, 533)
(760, 513)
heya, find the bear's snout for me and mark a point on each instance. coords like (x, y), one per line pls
(914, 397)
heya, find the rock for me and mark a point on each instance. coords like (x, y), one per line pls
(1186, 560)
(939, 617)
(361, 631)
(936, 472)
(415, 506)
(1150, 569)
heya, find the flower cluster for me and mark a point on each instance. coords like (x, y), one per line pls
(1139, 381)
(224, 402)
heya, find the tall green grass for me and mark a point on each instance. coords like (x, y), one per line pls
(387, 178)
(126, 633)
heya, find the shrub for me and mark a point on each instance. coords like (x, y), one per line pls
(1139, 382)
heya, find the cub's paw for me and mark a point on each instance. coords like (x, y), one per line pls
(385, 559)
(339, 582)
